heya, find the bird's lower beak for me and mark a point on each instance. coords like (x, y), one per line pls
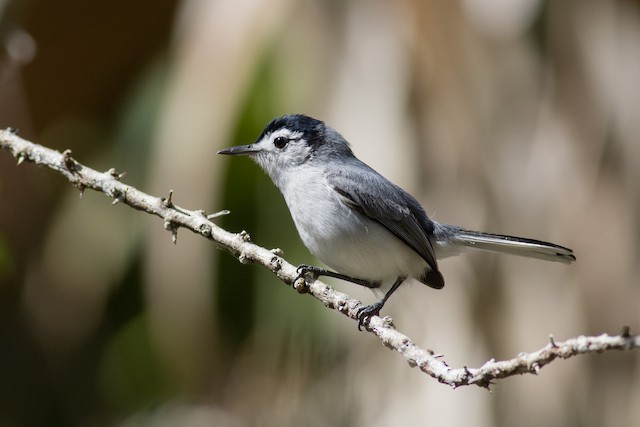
(239, 150)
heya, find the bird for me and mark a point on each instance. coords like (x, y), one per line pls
(365, 228)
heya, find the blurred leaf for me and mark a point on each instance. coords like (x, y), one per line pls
(130, 376)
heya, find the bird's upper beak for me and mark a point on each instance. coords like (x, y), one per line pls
(239, 150)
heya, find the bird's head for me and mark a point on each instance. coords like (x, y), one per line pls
(290, 141)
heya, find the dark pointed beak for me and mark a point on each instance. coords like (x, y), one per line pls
(239, 150)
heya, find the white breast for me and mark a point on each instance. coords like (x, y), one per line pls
(343, 239)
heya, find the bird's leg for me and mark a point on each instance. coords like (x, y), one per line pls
(316, 272)
(365, 313)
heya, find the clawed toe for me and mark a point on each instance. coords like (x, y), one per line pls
(302, 271)
(365, 314)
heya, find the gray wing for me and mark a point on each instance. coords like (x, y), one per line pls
(369, 193)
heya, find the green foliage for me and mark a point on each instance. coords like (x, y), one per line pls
(131, 375)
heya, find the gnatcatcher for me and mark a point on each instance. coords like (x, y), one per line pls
(369, 230)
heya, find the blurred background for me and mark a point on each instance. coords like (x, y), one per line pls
(511, 116)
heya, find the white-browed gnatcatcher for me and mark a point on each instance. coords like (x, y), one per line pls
(369, 230)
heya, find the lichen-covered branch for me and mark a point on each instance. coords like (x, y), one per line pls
(174, 217)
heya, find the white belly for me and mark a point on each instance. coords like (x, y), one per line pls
(347, 241)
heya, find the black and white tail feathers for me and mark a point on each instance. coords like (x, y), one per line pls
(457, 236)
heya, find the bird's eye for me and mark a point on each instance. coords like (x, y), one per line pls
(280, 142)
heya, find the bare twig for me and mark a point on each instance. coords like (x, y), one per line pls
(240, 246)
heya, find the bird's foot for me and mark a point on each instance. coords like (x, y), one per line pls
(365, 313)
(304, 270)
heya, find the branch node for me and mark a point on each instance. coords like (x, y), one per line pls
(277, 251)
(245, 236)
(535, 368)
(21, 158)
(81, 187)
(118, 196)
(204, 229)
(467, 372)
(276, 264)
(173, 228)
(625, 332)
(217, 214)
(552, 341)
(168, 203)
(342, 306)
(69, 162)
(243, 258)
(301, 286)
(114, 174)
(387, 322)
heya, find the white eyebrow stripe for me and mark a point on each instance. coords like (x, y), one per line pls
(287, 134)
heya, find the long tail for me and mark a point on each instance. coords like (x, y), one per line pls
(506, 244)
